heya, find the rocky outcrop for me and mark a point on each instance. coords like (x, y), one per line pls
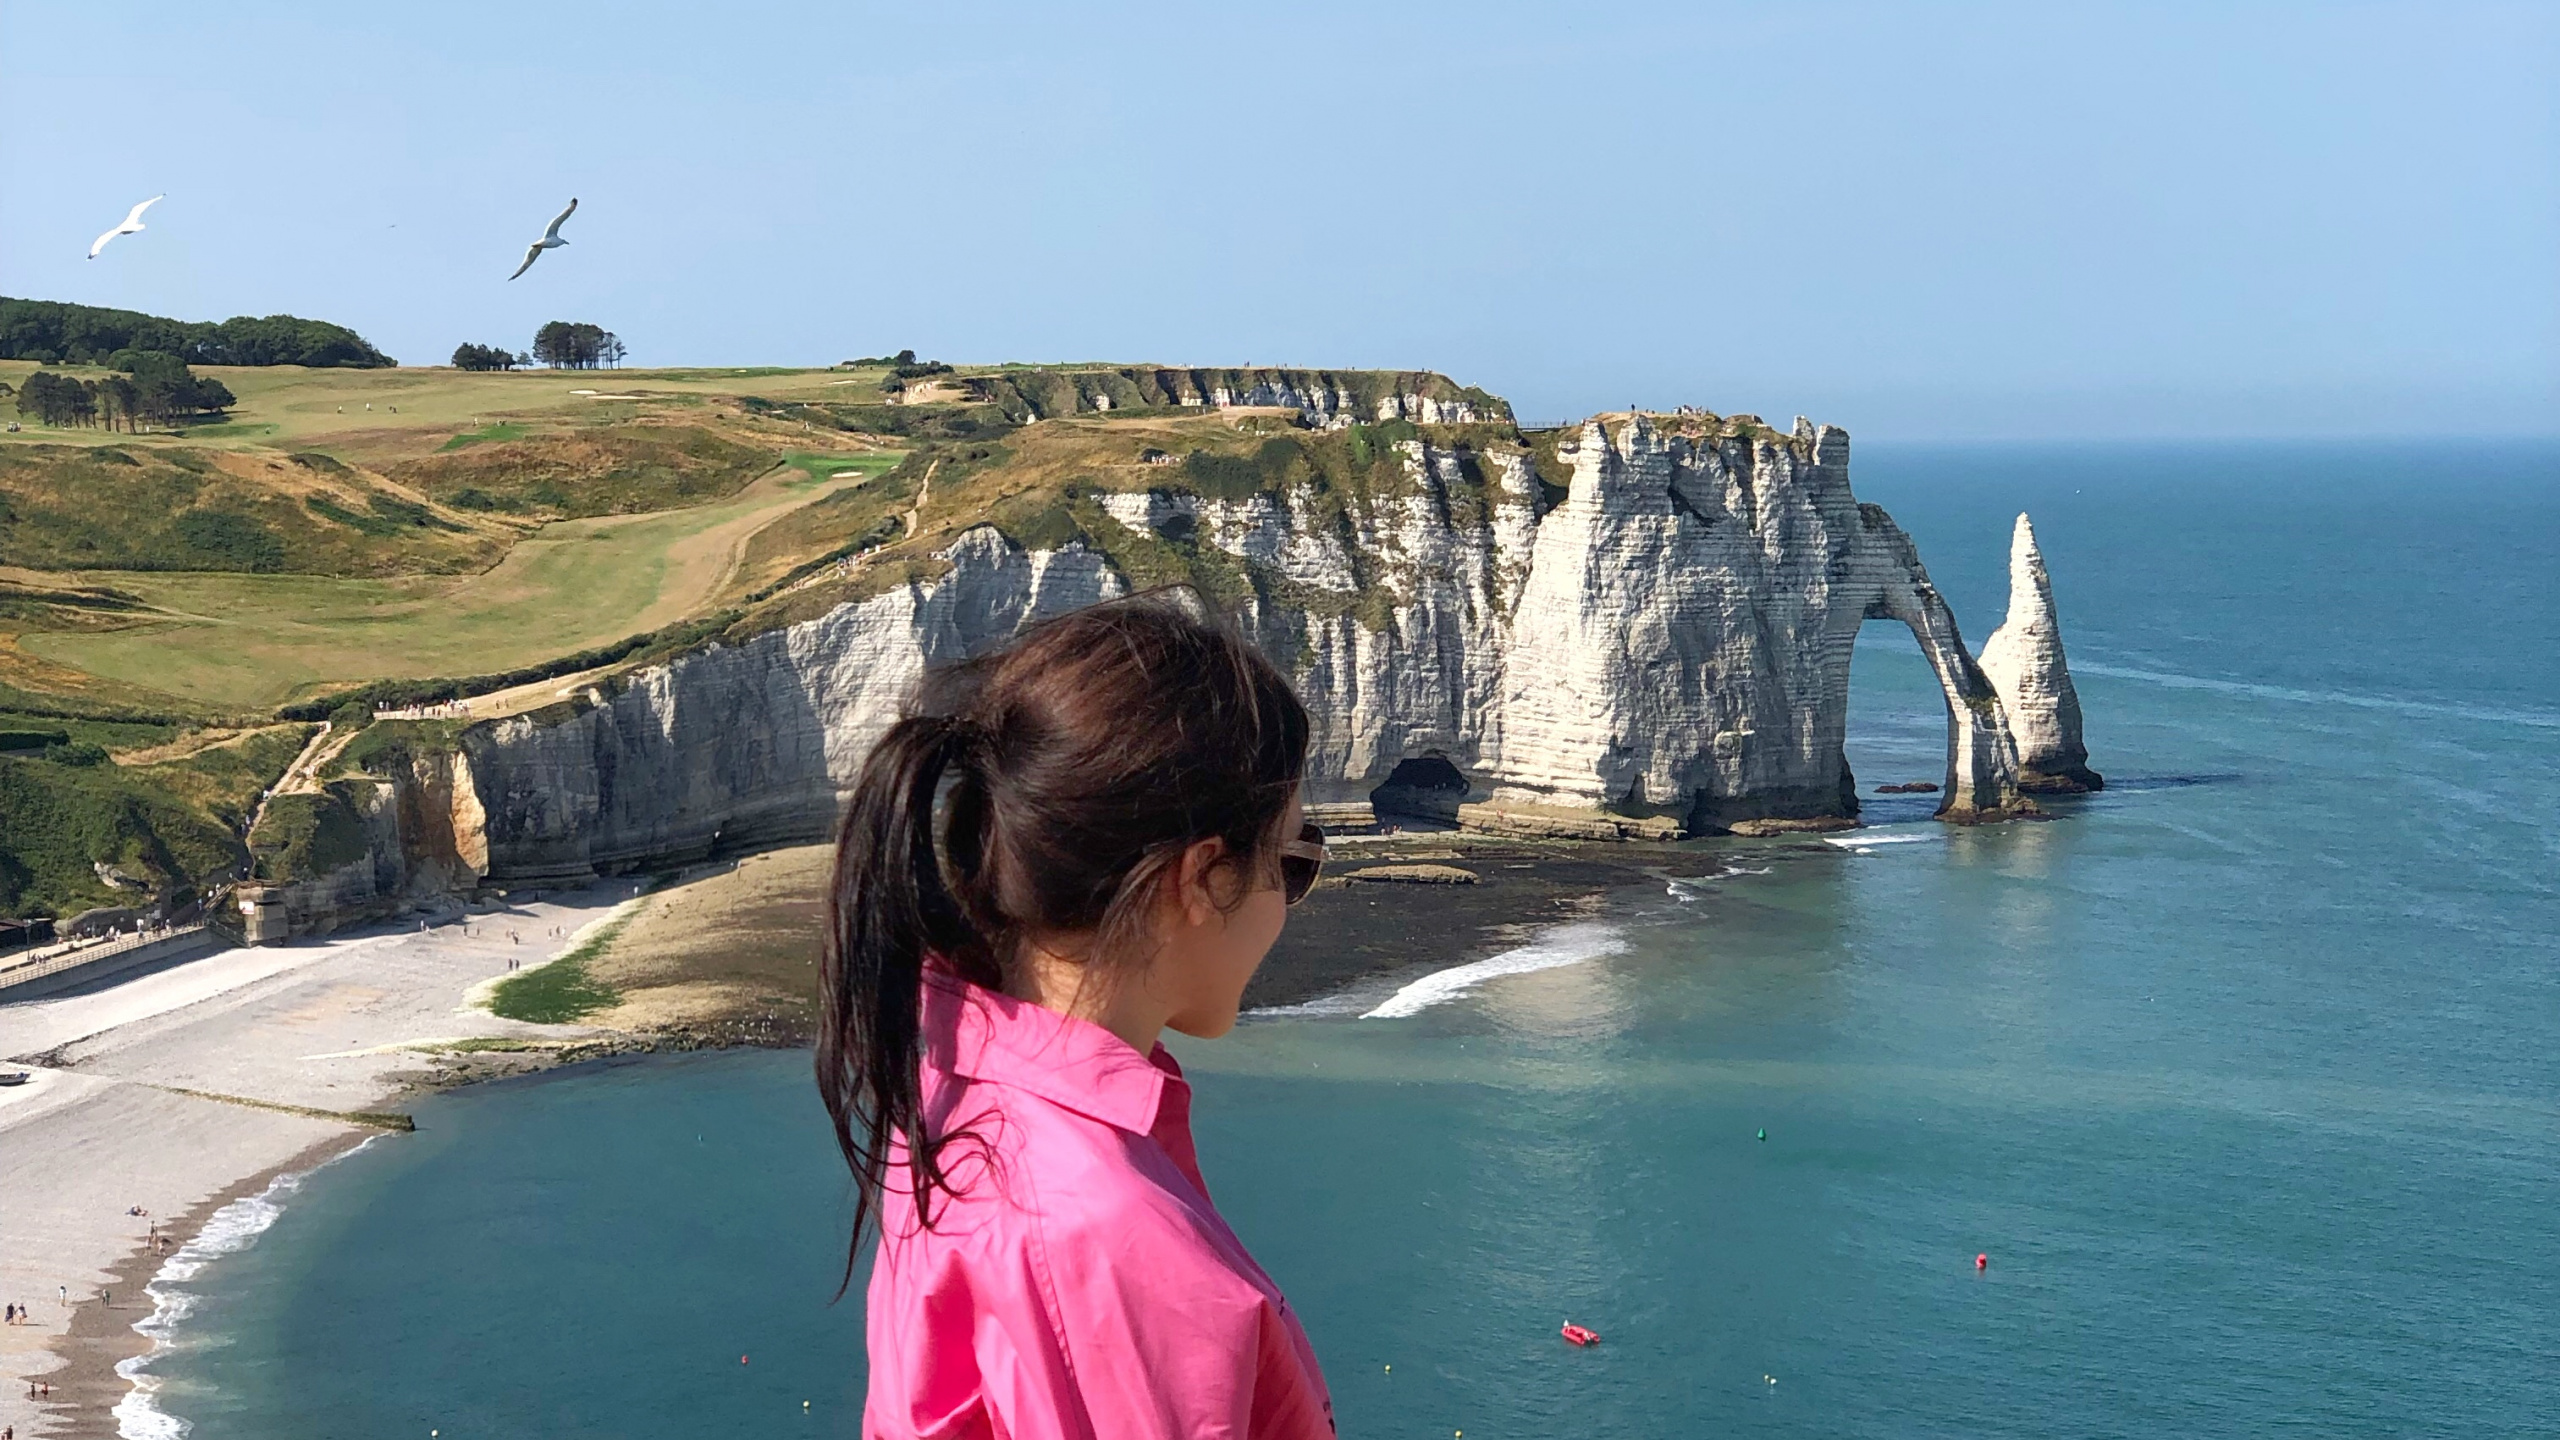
(2024, 660)
(1641, 631)
(373, 885)
(425, 838)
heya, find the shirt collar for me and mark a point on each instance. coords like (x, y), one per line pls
(986, 1035)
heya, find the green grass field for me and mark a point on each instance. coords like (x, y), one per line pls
(288, 407)
(250, 642)
(495, 430)
(823, 467)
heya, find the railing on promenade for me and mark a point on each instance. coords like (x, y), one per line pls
(54, 959)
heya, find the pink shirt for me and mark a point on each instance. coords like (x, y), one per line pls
(1081, 1284)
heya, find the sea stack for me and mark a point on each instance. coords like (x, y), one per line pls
(2024, 660)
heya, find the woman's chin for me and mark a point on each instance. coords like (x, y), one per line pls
(1204, 1027)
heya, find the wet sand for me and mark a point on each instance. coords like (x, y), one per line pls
(100, 1336)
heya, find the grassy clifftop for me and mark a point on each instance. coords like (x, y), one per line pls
(360, 536)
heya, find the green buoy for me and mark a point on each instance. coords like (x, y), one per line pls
(1764, 1134)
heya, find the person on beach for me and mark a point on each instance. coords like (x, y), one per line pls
(1065, 848)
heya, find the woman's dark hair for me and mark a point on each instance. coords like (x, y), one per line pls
(1040, 790)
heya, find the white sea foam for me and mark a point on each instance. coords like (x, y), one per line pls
(233, 1228)
(1564, 945)
(1341, 1003)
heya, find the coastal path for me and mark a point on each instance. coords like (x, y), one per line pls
(51, 960)
(911, 525)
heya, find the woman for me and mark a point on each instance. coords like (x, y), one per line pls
(1066, 848)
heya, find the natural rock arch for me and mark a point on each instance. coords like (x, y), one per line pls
(1982, 758)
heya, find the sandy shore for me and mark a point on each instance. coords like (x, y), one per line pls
(171, 1090)
(737, 945)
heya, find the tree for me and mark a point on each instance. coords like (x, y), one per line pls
(485, 357)
(162, 390)
(54, 399)
(48, 331)
(575, 345)
(36, 398)
(119, 398)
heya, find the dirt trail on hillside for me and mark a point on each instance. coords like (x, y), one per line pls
(194, 742)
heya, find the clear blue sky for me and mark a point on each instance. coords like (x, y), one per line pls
(1920, 221)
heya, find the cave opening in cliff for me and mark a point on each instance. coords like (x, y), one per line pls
(1422, 787)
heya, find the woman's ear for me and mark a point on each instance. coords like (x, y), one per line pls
(1195, 879)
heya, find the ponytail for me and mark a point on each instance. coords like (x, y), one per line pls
(887, 911)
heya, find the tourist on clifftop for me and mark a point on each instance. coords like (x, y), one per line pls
(1067, 847)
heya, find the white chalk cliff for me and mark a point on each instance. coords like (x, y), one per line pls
(1663, 648)
(2024, 660)
(1641, 626)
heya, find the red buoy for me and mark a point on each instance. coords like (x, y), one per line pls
(1580, 1336)
(1982, 1261)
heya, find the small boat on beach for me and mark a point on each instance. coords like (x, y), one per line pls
(15, 1077)
(1580, 1336)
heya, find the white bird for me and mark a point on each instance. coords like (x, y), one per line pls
(550, 238)
(132, 225)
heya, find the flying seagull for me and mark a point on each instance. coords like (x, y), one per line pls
(132, 225)
(550, 238)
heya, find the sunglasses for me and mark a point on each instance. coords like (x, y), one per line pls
(1300, 861)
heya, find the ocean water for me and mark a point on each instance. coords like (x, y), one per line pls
(2245, 1075)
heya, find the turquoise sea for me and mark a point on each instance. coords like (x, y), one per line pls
(2244, 1074)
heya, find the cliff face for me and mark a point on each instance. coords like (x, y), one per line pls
(369, 887)
(1667, 646)
(747, 745)
(1682, 644)
(425, 836)
(1322, 398)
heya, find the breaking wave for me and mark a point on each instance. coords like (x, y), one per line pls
(1864, 839)
(234, 1228)
(1564, 945)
